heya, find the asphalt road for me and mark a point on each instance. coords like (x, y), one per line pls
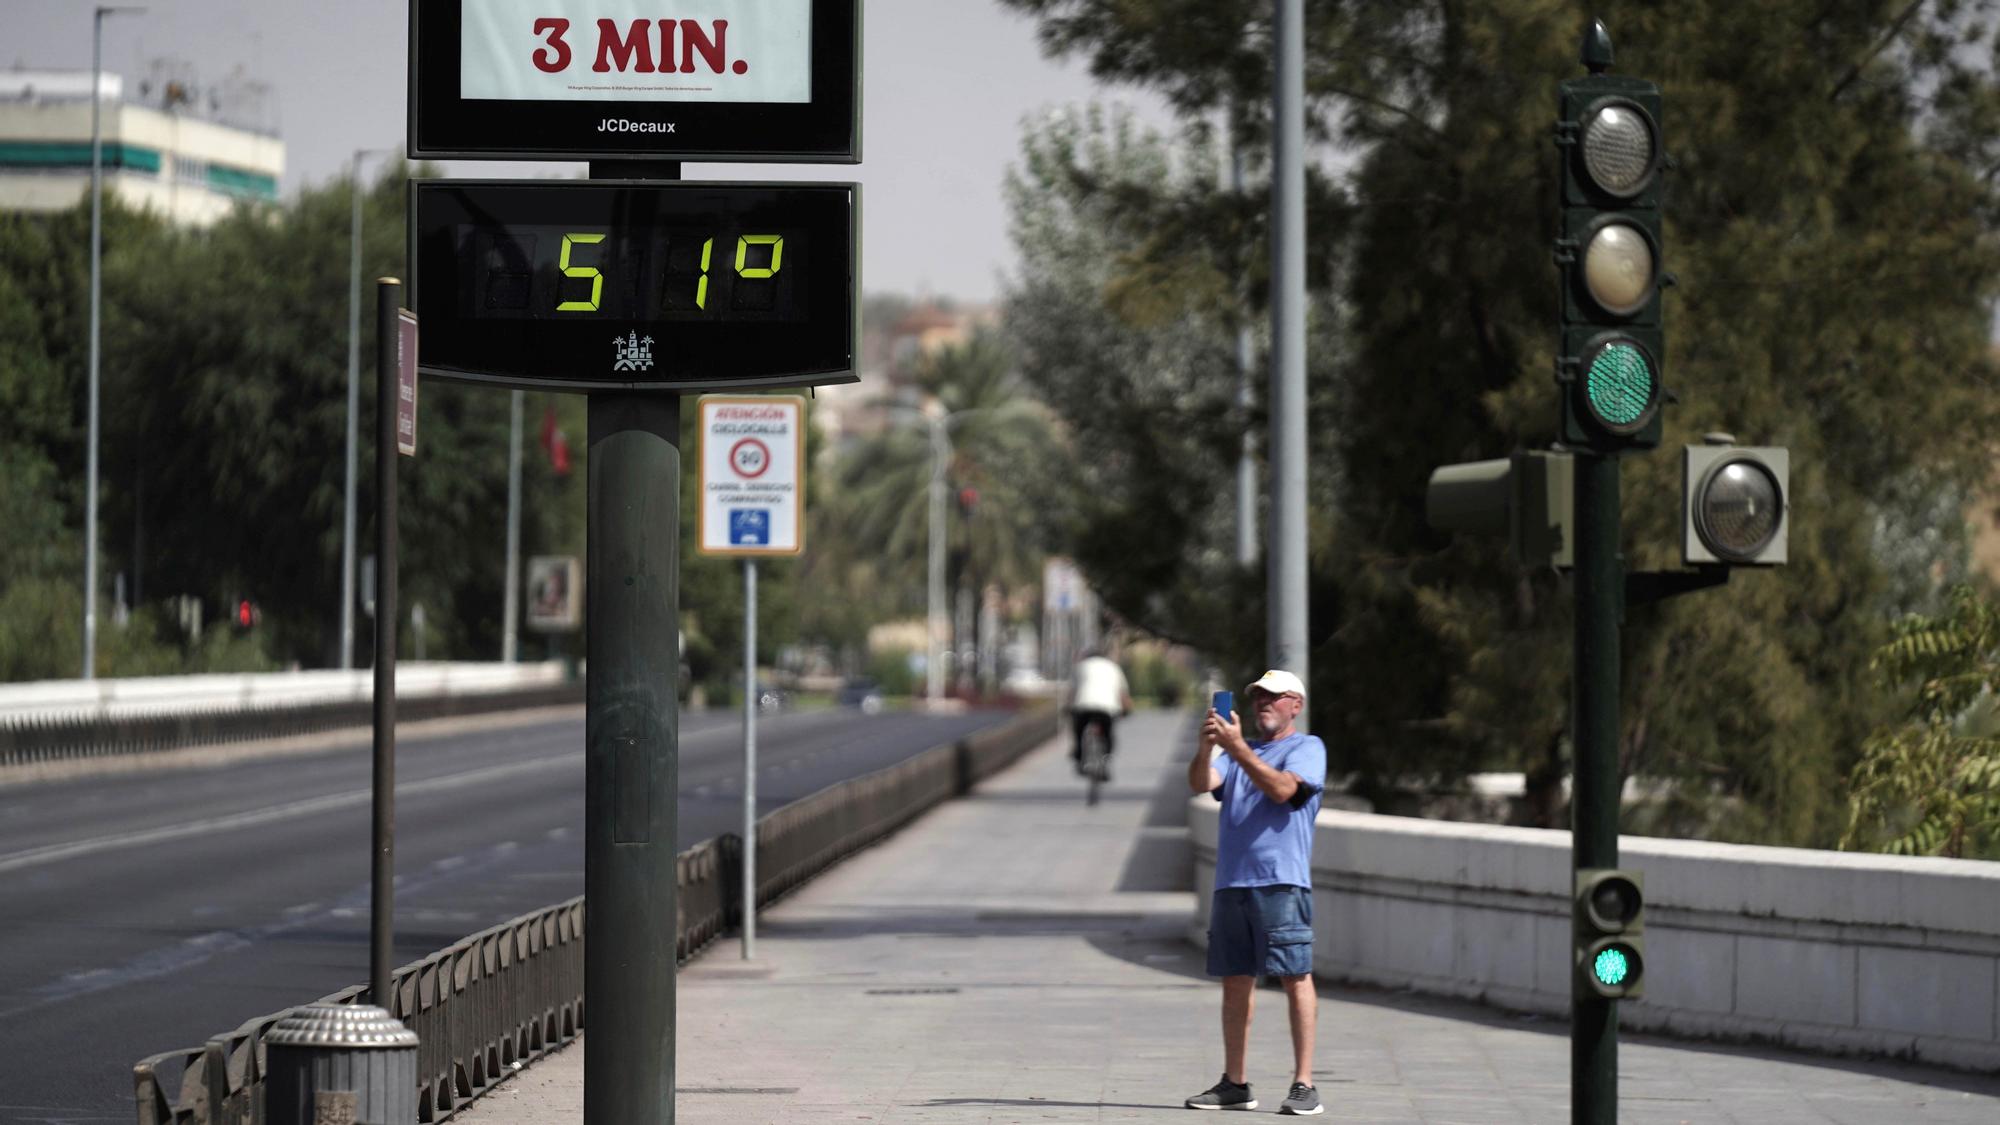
(144, 912)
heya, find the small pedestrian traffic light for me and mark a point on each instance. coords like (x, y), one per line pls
(1527, 497)
(1608, 249)
(247, 614)
(1735, 503)
(1609, 913)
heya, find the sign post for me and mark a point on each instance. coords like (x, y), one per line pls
(637, 289)
(395, 381)
(752, 505)
(631, 755)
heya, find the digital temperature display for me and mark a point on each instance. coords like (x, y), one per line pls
(677, 273)
(687, 286)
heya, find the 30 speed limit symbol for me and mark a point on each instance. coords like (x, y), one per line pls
(749, 458)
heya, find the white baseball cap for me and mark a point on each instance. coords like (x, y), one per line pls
(1277, 681)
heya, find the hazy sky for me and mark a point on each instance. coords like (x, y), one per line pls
(948, 83)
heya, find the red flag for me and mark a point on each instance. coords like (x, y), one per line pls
(554, 444)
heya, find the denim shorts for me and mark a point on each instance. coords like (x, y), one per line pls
(1261, 931)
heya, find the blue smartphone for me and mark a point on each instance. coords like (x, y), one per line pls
(1222, 703)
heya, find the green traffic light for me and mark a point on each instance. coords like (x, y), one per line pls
(1611, 967)
(1619, 385)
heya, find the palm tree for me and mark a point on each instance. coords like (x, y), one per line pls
(1003, 454)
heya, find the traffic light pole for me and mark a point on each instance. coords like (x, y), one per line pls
(1600, 585)
(631, 757)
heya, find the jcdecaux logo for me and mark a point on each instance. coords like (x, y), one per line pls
(626, 125)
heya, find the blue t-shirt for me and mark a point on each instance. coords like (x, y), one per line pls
(1263, 843)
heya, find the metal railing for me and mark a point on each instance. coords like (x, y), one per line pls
(25, 741)
(490, 1003)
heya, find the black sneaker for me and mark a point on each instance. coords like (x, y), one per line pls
(1225, 1095)
(1303, 1100)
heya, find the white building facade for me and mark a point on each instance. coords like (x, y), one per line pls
(159, 155)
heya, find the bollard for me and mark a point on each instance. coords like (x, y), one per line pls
(340, 1064)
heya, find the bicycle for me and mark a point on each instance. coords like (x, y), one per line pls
(1096, 760)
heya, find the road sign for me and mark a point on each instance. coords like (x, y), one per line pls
(736, 80)
(643, 285)
(406, 382)
(555, 593)
(752, 475)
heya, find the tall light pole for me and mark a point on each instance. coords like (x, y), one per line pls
(940, 420)
(1246, 460)
(96, 290)
(934, 631)
(353, 412)
(1285, 569)
(510, 617)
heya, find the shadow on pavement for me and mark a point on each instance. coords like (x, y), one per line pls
(1161, 858)
(1173, 955)
(977, 923)
(1042, 1103)
(1053, 796)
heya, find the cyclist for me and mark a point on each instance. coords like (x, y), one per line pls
(1098, 694)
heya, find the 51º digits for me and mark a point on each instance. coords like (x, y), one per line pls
(572, 240)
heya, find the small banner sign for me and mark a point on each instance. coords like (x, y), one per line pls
(406, 382)
(555, 588)
(627, 51)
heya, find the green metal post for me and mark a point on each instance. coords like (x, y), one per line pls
(1600, 582)
(631, 757)
(382, 838)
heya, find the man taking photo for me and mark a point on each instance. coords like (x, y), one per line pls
(1260, 923)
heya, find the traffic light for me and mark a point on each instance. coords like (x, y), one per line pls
(1610, 917)
(247, 615)
(1608, 250)
(1527, 497)
(1735, 503)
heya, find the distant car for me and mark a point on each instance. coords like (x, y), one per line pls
(865, 694)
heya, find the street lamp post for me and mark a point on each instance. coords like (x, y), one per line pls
(510, 618)
(1285, 568)
(940, 421)
(353, 413)
(940, 458)
(96, 290)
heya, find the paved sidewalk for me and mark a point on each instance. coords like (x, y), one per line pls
(1016, 956)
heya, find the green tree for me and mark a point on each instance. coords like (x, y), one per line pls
(224, 390)
(1828, 220)
(1930, 785)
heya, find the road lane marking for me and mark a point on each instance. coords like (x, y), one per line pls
(52, 853)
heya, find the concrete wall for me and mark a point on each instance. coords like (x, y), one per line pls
(132, 696)
(1827, 951)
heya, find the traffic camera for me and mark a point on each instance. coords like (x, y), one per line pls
(1608, 250)
(1610, 923)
